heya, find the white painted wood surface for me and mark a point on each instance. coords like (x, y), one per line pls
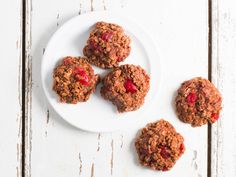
(224, 76)
(10, 90)
(55, 148)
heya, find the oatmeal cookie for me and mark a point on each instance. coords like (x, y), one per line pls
(159, 146)
(126, 87)
(107, 45)
(198, 102)
(74, 80)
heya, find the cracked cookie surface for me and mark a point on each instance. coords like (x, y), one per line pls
(107, 46)
(74, 80)
(126, 87)
(198, 102)
(159, 146)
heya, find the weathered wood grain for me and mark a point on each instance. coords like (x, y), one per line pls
(55, 148)
(10, 90)
(224, 77)
(28, 89)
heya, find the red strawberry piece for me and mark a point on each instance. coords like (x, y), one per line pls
(93, 45)
(215, 116)
(164, 153)
(107, 36)
(99, 48)
(67, 61)
(119, 59)
(82, 79)
(81, 76)
(164, 169)
(191, 98)
(181, 148)
(78, 70)
(129, 86)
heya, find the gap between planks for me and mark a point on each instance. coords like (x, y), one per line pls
(23, 21)
(209, 128)
(26, 89)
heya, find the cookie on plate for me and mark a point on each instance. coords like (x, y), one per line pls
(74, 80)
(126, 87)
(198, 102)
(159, 146)
(107, 46)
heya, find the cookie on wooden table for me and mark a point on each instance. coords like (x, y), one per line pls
(198, 102)
(126, 87)
(74, 80)
(107, 46)
(159, 146)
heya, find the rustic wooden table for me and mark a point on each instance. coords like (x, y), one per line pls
(195, 37)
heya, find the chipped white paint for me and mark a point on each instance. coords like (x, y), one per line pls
(224, 76)
(10, 90)
(58, 149)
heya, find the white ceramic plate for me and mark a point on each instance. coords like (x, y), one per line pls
(98, 115)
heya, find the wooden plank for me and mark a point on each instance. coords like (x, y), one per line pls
(55, 148)
(10, 90)
(224, 77)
